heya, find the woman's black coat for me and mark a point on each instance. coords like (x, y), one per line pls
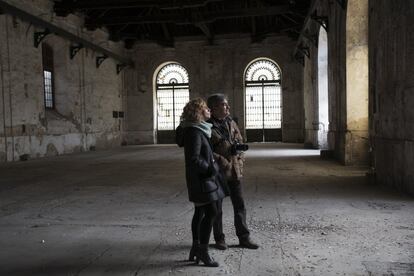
(202, 172)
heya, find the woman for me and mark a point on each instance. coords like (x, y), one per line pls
(202, 175)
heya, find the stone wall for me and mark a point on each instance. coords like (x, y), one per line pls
(347, 81)
(310, 100)
(85, 96)
(217, 68)
(357, 83)
(392, 92)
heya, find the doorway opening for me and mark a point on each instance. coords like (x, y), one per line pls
(323, 108)
(172, 93)
(263, 101)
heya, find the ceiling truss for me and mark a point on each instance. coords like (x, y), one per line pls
(163, 21)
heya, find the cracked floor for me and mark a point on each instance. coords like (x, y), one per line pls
(125, 212)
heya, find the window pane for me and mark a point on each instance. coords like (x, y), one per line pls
(272, 107)
(172, 95)
(48, 89)
(165, 109)
(254, 112)
(181, 97)
(263, 70)
(172, 73)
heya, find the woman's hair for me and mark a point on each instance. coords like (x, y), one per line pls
(193, 110)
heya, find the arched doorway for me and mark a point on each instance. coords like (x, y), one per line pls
(172, 93)
(323, 109)
(263, 101)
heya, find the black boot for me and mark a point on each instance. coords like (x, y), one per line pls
(203, 255)
(194, 249)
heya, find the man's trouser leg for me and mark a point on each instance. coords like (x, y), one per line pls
(236, 195)
(218, 222)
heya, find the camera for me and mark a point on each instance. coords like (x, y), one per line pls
(237, 148)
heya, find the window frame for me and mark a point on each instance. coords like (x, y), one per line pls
(48, 66)
(274, 79)
(177, 83)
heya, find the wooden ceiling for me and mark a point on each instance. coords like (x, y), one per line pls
(163, 21)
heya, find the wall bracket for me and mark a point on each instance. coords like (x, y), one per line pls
(73, 50)
(39, 36)
(304, 50)
(100, 59)
(120, 67)
(322, 20)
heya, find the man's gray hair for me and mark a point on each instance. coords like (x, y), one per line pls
(215, 99)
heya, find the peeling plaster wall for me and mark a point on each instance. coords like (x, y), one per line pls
(392, 92)
(84, 95)
(215, 68)
(347, 81)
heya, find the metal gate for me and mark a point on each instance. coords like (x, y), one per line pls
(263, 102)
(172, 95)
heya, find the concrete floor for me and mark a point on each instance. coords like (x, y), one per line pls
(125, 212)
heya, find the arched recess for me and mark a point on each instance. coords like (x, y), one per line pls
(357, 84)
(323, 105)
(171, 94)
(263, 101)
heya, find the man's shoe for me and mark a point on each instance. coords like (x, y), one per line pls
(221, 245)
(247, 243)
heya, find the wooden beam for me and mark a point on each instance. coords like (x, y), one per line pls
(254, 29)
(128, 4)
(205, 29)
(166, 32)
(305, 26)
(178, 19)
(290, 19)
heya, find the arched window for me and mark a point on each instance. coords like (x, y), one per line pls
(263, 101)
(172, 94)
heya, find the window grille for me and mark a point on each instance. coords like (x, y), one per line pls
(48, 90)
(172, 95)
(48, 87)
(263, 96)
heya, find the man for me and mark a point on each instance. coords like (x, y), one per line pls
(226, 134)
